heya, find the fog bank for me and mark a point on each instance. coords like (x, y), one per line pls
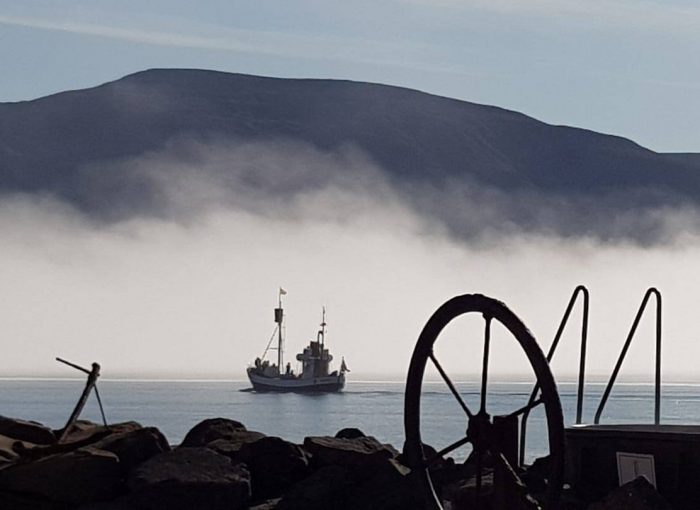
(189, 293)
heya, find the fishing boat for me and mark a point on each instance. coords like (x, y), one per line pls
(315, 375)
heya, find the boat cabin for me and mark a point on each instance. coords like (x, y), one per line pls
(315, 360)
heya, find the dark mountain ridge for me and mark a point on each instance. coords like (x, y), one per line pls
(60, 144)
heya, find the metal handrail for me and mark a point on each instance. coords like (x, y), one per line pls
(657, 383)
(580, 289)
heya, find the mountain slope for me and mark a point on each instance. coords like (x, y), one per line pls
(60, 144)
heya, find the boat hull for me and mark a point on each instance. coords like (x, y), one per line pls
(325, 384)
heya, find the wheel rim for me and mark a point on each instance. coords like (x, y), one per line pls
(480, 429)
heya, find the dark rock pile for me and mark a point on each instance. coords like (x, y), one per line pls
(222, 465)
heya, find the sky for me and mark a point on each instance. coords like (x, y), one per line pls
(626, 67)
(191, 294)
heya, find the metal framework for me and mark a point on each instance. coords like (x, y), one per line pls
(578, 291)
(652, 291)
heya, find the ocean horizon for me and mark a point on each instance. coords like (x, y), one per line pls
(375, 407)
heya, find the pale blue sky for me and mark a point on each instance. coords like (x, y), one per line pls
(628, 67)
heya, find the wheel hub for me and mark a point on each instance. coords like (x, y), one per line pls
(478, 429)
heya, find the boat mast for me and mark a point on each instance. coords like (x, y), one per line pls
(279, 318)
(322, 333)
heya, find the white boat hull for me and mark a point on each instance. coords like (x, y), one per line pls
(323, 384)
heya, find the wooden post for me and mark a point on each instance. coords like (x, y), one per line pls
(509, 492)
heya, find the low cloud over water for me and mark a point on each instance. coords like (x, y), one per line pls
(186, 288)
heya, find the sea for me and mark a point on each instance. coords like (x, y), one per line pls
(375, 407)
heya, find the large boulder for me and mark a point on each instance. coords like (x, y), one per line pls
(358, 453)
(465, 494)
(80, 476)
(212, 429)
(231, 445)
(350, 433)
(275, 464)
(120, 503)
(390, 488)
(29, 431)
(84, 432)
(638, 494)
(134, 446)
(270, 504)
(537, 474)
(11, 501)
(430, 453)
(372, 476)
(326, 488)
(8, 452)
(189, 478)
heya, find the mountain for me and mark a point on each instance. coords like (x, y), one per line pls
(61, 144)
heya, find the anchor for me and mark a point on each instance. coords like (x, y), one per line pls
(61, 445)
(90, 385)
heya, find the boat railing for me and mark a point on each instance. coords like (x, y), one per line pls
(580, 290)
(652, 291)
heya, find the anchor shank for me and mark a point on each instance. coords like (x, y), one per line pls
(89, 385)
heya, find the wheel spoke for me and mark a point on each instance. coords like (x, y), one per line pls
(505, 465)
(485, 364)
(526, 408)
(450, 385)
(446, 450)
(486, 433)
(535, 391)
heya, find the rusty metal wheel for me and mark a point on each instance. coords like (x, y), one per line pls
(480, 431)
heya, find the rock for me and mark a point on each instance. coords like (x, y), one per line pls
(210, 430)
(326, 488)
(29, 431)
(7, 450)
(12, 501)
(270, 504)
(135, 446)
(450, 475)
(638, 494)
(231, 445)
(359, 453)
(464, 494)
(79, 427)
(535, 477)
(390, 488)
(487, 460)
(394, 452)
(350, 433)
(189, 478)
(275, 464)
(512, 493)
(80, 476)
(372, 476)
(84, 432)
(121, 503)
(429, 452)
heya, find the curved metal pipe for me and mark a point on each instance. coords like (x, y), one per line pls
(579, 290)
(657, 380)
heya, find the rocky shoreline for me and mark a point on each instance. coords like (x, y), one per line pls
(222, 465)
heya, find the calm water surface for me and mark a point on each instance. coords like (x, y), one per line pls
(374, 407)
